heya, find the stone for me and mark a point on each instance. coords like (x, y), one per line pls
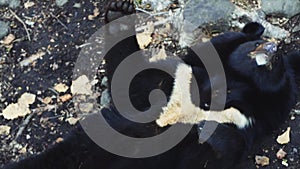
(196, 13)
(105, 98)
(4, 29)
(286, 8)
(61, 3)
(11, 3)
(199, 12)
(14, 4)
(4, 2)
(104, 82)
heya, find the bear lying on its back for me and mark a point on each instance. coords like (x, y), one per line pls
(260, 85)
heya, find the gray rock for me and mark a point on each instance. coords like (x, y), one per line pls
(286, 8)
(295, 150)
(105, 98)
(297, 111)
(212, 13)
(61, 3)
(199, 12)
(4, 29)
(4, 2)
(11, 3)
(104, 81)
(14, 4)
(77, 5)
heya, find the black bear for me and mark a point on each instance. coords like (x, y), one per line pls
(260, 87)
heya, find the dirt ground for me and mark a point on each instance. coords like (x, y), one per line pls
(56, 33)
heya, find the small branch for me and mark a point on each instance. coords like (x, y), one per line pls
(142, 10)
(82, 45)
(59, 21)
(157, 23)
(23, 23)
(23, 125)
(149, 13)
(54, 91)
(55, 117)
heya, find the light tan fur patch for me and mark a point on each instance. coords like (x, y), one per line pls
(180, 108)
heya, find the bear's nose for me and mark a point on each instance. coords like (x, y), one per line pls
(268, 48)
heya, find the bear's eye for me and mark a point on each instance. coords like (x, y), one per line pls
(257, 44)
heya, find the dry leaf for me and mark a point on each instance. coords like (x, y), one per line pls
(27, 99)
(23, 150)
(86, 107)
(262, 160)
(28, 4)
(59, 139)
(14, 111)
(160, 56)
(91, 17)
(144, 39)
(81, 85)
(285, 137)
(280, 154)
(32, 58)
(44, 120)
(4, 130)
(168, 28)
(65, 97)
(72, 120)
(8, 39)
(95, 14)
(150, 27)
(47, 100)
(285, 163)
(61, 88)
(61, 118)
(19, 109)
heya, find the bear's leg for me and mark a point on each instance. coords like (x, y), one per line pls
(120, 40)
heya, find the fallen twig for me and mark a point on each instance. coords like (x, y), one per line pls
(23, 23)
(82, 45)
(149, 13)
(59, 21)
(23, 125)
(156, 23)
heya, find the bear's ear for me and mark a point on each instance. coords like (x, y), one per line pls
(253, 29)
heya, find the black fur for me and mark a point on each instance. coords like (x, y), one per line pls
(265, 95)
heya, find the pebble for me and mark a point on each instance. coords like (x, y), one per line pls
(4, 29)
(104, 82)
(295, 150)
(105, 98)
(77, 5)
(11, 3)
(61, 3)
